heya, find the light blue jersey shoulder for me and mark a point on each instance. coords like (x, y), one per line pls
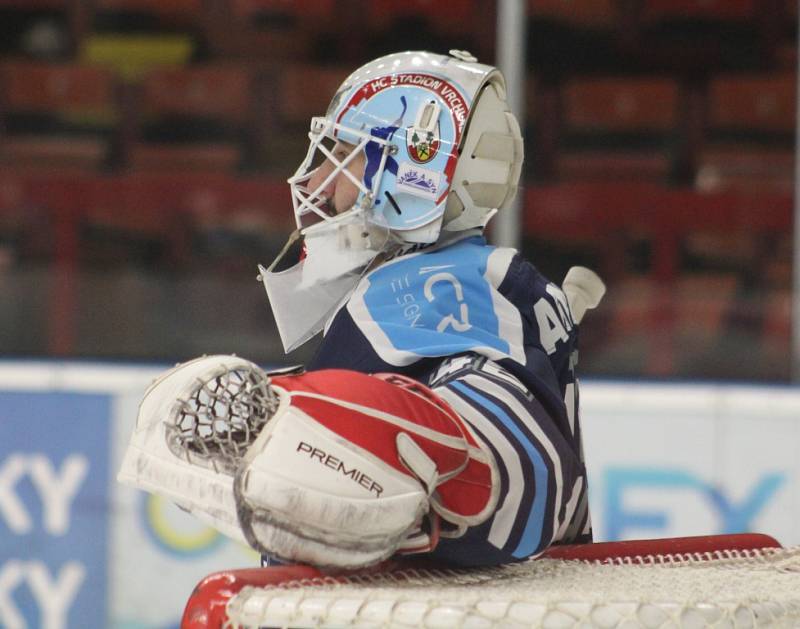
(440, 303)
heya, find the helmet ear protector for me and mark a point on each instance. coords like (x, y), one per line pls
(489, 164)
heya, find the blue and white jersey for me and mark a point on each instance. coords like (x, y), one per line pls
(542, 476)
(412, 312)
(497, 340)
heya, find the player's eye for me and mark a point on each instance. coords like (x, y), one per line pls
(341, 154)
(321, 159)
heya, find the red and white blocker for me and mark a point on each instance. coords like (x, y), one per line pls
(353, 468)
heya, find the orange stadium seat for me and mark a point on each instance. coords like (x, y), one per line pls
(192, 118)
(616, 127)
(750, 133)
(57, 115)
(628, 333)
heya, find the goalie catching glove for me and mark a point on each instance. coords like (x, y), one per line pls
(333, 467)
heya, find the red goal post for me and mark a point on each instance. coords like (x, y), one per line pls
(219, 599)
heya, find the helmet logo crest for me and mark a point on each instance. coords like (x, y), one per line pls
(422, 145)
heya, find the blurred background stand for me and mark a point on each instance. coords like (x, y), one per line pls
(145, 144)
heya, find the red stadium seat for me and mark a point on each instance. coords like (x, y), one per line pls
(306, 91)
(296, 9)
(57, 116)
(35, 4)
(753, 103)
(750, 133)
(300, 92)
(617, 128)
(155, 7)
(274, 30)
(215, 91)
(192, 118)
(153, 18)
(443, 18)
(721, 10)
(597, 13)
(612, 104)
(701, 302)
(157, 213)
(705, 35)
(778, 316)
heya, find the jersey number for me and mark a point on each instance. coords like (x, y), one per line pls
(461, 325)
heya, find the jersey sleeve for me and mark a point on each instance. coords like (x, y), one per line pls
(543, 489)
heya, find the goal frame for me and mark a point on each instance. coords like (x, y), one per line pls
(206, 607)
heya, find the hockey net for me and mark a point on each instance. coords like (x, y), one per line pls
(720, 581)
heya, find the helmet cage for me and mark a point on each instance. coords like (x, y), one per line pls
(306, 201)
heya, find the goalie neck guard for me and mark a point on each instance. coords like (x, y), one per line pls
(440, 151)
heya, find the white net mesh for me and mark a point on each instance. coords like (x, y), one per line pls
(721, 589)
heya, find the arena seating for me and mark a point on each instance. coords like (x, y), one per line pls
(617, 128)
(57, 116)
(193, 118)
(749, 139)
(161, 132)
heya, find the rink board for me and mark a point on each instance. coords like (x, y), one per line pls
(77, 549)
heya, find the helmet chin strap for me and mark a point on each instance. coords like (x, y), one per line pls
(293, 238)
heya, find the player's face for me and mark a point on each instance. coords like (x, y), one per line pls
(341, 193)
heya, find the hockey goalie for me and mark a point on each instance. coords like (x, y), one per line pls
(440, 412)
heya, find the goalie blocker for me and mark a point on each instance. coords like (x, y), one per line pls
(333, 467)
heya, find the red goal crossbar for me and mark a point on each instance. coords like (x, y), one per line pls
(206, 607)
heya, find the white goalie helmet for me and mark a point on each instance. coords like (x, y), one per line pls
(441, 152)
